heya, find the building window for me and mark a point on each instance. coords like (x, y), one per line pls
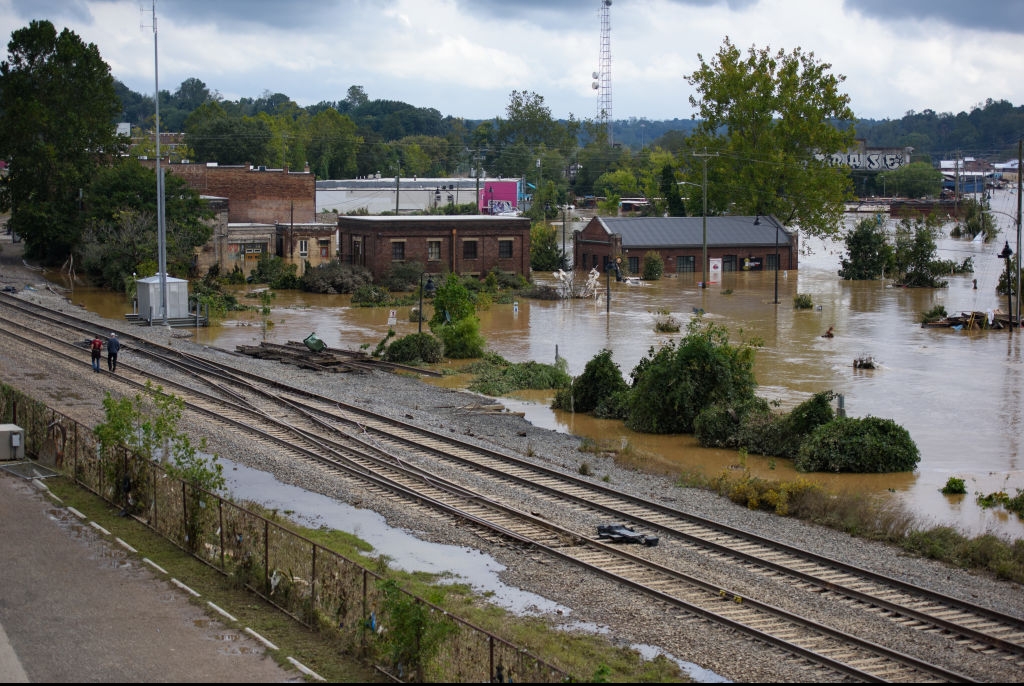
(772, 262)
(686, 263)
(325, 249)
(398, 251)
(255, 248)
(434, 250)
(504, 249)
(634, 265)
(303, 248)
(729, 263)
(469, 250)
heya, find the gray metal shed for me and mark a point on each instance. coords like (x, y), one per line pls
(148, 294)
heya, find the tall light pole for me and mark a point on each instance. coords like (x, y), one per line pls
(430, 288)
(161, 223)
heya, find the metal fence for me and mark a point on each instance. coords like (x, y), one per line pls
(316, 586)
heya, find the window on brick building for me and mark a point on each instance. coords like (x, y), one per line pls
(433, 250)
(325, 249)
(686, 263)
(303, 248)
(634, 265)
(504, 249)
(397, 251)
(469, 250)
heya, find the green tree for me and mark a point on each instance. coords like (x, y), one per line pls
(675, 207)
(545, 252)
(57, 129)
(333, 143)
(654, 266)
(914, 180)
(672, 385)
(120, 218)
(868, 253)
(455, 321)
(915, 264)
(772, 120)
(217, 137)
(599, 386)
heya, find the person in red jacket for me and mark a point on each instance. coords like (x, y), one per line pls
(96, 346)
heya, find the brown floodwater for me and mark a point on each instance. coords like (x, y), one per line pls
(958, 393)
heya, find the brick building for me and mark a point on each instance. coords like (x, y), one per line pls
(741, 243)
(259, 211)
(469, 245)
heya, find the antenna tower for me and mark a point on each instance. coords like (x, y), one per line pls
(603, 76)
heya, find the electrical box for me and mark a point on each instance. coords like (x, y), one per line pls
(12, 442)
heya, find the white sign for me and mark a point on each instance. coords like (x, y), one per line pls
(715, 265)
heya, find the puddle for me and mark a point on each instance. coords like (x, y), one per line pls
(695, 672)
(403, 549)
(649, 652)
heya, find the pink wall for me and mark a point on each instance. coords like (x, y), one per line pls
(505, 194)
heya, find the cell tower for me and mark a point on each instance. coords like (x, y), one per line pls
(603, 76)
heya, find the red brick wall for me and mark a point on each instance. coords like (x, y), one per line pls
(271, 196)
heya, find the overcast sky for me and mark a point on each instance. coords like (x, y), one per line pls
(464, 57)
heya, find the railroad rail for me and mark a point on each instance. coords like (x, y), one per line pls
(398, 458)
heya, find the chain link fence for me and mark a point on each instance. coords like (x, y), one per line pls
(403, 635)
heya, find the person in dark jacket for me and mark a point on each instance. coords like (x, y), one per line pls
(113, 347)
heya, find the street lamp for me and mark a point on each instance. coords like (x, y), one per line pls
(430, 290)
(1006, 254)
(1017, 221)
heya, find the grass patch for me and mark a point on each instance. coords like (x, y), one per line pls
(587, 657)
(318, 652)
(871, 517)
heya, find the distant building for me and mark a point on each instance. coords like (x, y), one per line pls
(741, 243)
(383, 195)
(259, 211)
(468, 245)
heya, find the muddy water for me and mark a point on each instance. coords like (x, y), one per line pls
(959, 394)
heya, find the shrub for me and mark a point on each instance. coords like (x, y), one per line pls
(862, 445)
(719, 426)
(954, 486)
(936, 313)
(802, 301)
(416, 347)
(335, 277)
(673, 385)
(601, 377)
(370, 296)
(498, 376)
(462, 339)
(654, 266)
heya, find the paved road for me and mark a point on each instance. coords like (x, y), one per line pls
(76, 608)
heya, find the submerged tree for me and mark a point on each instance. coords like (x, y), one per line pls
(868, 253)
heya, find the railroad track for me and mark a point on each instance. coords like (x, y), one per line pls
(400, 459)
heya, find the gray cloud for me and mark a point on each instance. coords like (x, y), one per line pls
(987, 15)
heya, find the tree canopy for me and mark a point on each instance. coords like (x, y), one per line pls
(57, 128)
(768, 123)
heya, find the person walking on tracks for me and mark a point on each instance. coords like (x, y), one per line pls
(96, 346)
(113, 347)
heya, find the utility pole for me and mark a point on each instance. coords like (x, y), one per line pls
(161, 222)
(1020, 188)
(704, 191)
(398, 176)
(477, 170)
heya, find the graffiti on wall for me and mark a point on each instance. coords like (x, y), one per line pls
(869, 159)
